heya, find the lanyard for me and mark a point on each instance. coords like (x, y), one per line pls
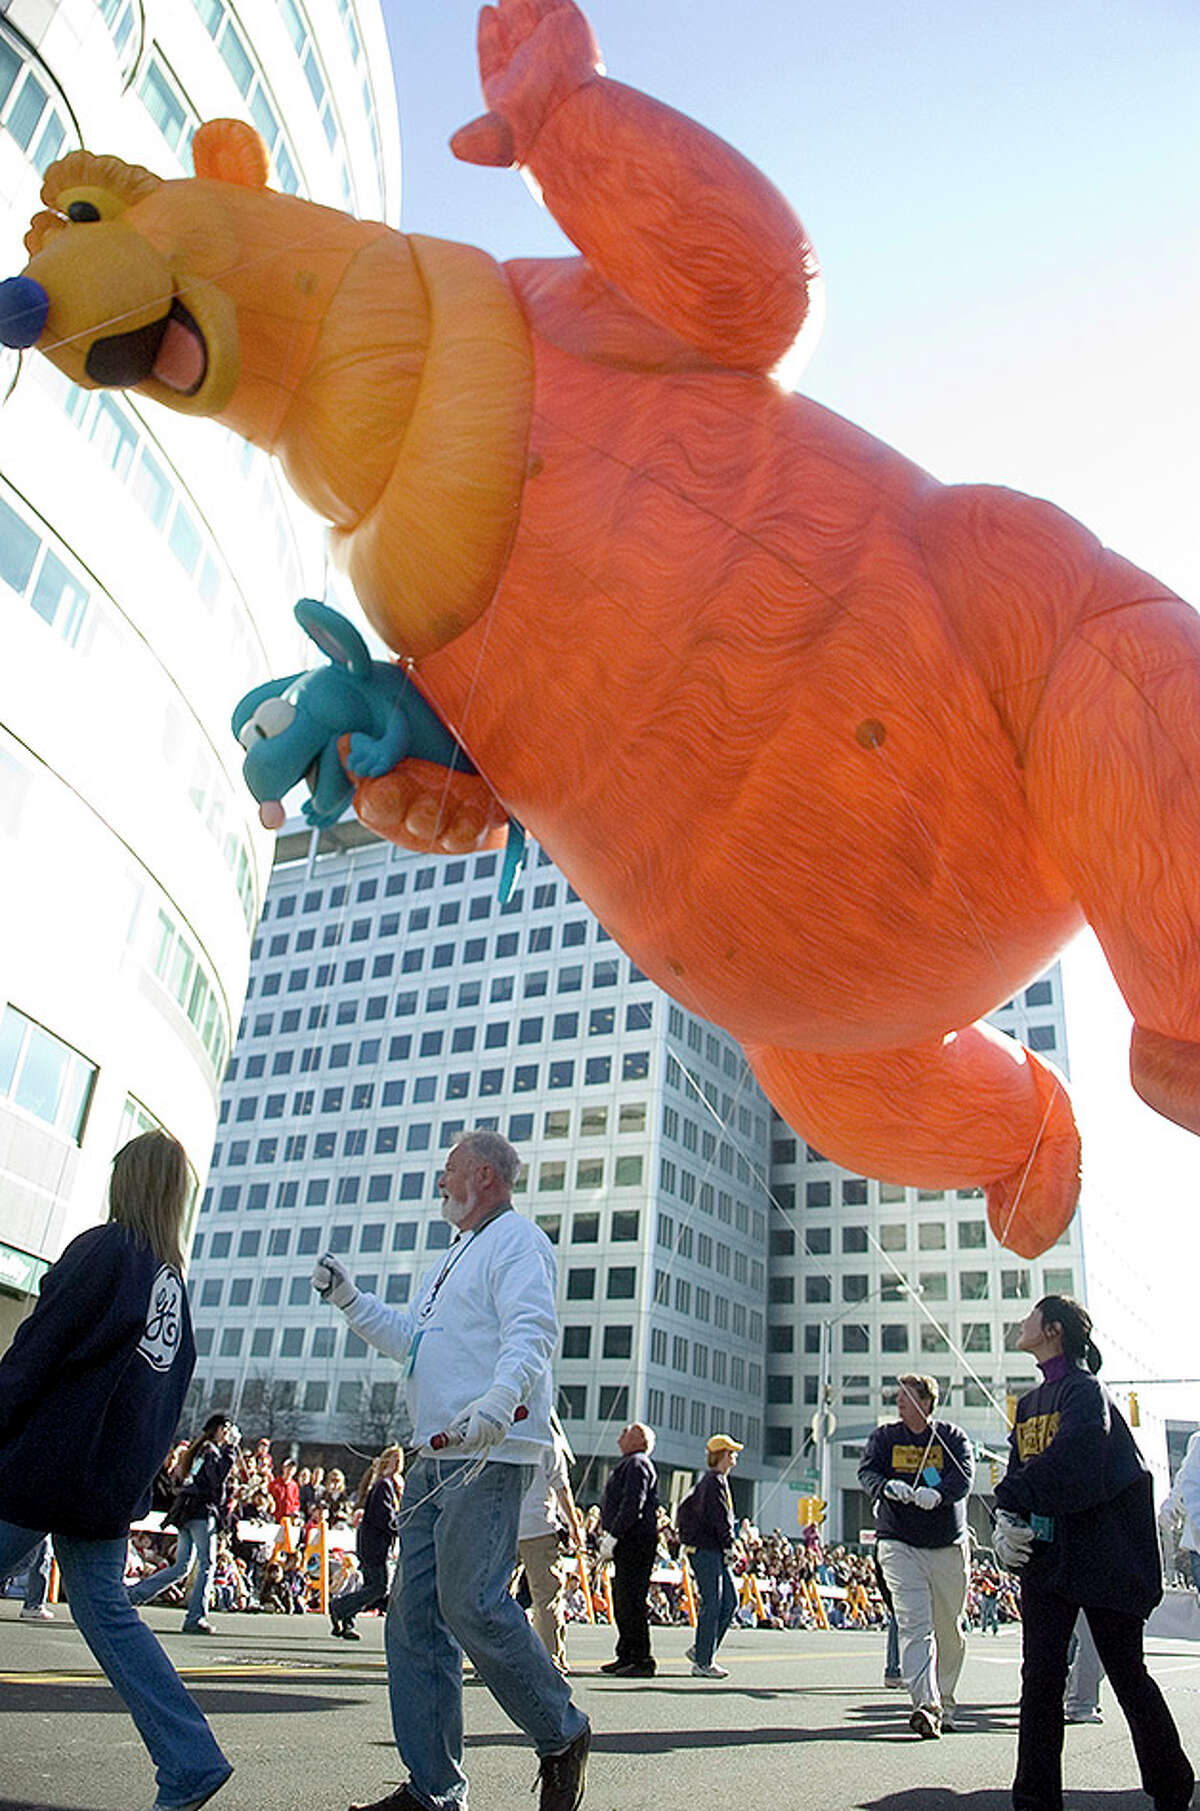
(452, 1257)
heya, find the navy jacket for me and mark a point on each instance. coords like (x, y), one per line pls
(894, 1451)
(205, 1490)
(630, 1502)
(713, 1521)
(92, 1388)
(380, 1523)
(1072, 1458)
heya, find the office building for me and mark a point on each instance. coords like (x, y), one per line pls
(393, 1002)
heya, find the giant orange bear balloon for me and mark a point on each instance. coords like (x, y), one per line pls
(839, 754)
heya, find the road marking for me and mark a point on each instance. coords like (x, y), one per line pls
(260, 1670)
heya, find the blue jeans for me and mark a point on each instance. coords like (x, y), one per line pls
(37, 1575)
(187, 1761)
(891, 1664)
(450, 1594)
(718, 1601)
(199, 1538)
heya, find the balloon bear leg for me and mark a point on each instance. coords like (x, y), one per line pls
(972, 1109)
(1113, 779)
(1094, 669)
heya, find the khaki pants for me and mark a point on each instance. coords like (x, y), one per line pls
(540, 1560)
(929, 1592)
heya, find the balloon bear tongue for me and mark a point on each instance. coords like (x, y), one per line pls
(271, 815)
(181, 359)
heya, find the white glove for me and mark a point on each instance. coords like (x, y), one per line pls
(233, 1435)
(331, 1282)
(486, 1421)
(898, 1491)
(1012, 1541)
(608, 1546)
(926, 1497)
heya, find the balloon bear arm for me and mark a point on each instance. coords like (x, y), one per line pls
(424, 807)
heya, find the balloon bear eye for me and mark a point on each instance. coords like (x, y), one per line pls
(272, 717)
(82, 211)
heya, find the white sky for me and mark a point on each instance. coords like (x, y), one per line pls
(1002, 196)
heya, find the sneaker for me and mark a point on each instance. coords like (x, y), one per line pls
(37, 1612)
(926, 1722)
(632, 1669)
(711, 1671)
(198, 1628)
(893, 1682)
(613, 1666)
(192, 1804)
(562, 1776)
(400, 1800)
(1083, 1716)
(948, 1722)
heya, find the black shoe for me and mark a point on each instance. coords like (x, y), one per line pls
(349, 1634)
(400, 1800)
(562, 1776)
(633, 1669)
(613, 1666)
(337, 1630)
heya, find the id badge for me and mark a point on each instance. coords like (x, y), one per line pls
(931, 1476)
(412, 1352)
(1043, 1527)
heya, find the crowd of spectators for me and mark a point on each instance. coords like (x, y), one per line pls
(792, 1577)
(253, 1571)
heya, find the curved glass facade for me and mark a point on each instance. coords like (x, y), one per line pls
(148, 565)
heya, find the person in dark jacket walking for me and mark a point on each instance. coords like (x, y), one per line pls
(198, 1512)
(711, 1534)
(1075, 1515)
(376, 1537)
(629, 1517)
(918, 1473)
(100, 1369)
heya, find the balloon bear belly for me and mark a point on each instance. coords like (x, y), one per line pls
(720, 688)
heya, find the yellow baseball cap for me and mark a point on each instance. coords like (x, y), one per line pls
(721, 1443)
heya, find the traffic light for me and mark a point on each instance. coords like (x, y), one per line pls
(1135, 1413)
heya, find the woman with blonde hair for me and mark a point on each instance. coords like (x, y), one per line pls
(100, 1369)
(377, 1532)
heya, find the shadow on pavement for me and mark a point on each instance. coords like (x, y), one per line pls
(667, 1741)
(214, 1700)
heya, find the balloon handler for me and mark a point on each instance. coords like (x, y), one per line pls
(476, 1344)
(840, 755)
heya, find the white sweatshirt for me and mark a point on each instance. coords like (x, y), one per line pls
(483, 1315)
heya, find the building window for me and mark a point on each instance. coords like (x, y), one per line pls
(581, 1285)
(614, 1402)
(622, 1282)
(44, 1076)
(572, 1401)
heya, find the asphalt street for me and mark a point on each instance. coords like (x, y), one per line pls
(802, 1720)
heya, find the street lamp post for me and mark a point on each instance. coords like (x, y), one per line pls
(824, 1421)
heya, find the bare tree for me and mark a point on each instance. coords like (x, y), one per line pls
(268, 1406)
(380, 1418)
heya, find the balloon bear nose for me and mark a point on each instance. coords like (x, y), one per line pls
(24, 306)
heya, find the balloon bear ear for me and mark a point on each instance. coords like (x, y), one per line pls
(229, 150)
(335, 635)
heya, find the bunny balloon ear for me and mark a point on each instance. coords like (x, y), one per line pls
(335, 635)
